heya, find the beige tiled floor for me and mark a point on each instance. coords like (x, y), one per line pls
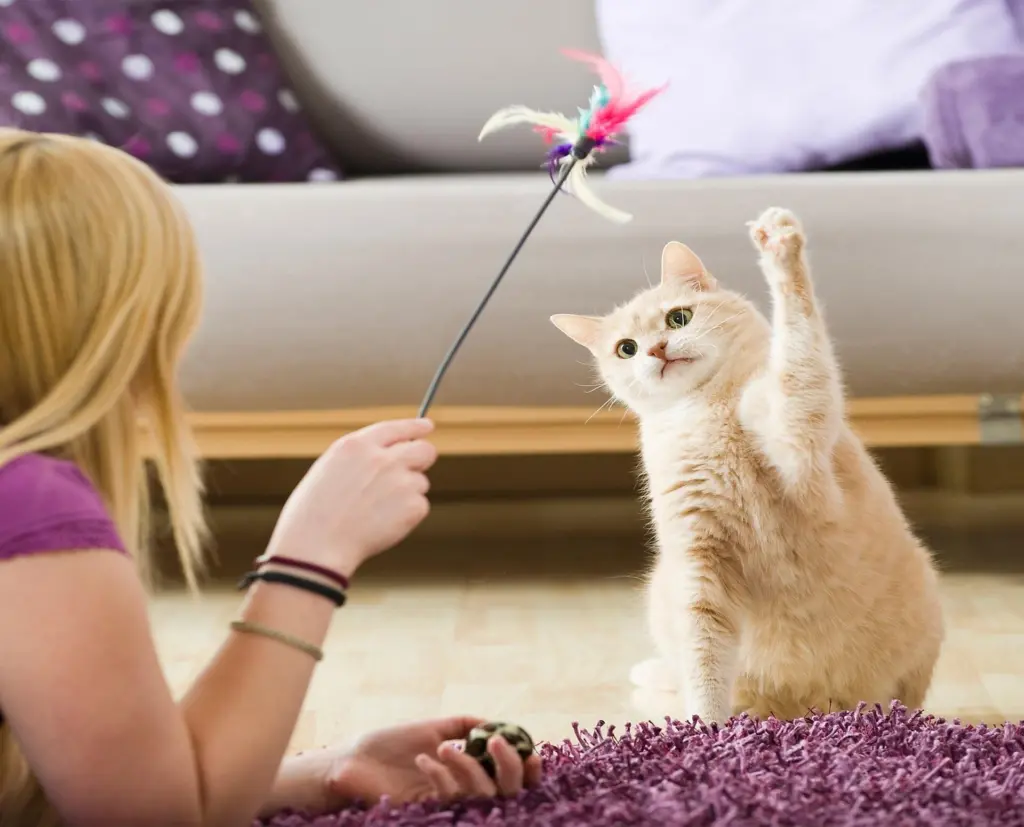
(548, 650)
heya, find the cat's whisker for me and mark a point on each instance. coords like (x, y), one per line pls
(632, 578)
(634, 384)
(702, 329)
(606, 404)
(699, 353)
(646, 274)
(727, 320)
(716, 327)
(711, 315)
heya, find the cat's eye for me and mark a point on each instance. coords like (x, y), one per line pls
(679, 317)
(626, 349)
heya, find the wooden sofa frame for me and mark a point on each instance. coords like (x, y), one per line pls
(471, 431)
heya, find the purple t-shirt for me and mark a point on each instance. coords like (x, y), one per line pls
(49, 505)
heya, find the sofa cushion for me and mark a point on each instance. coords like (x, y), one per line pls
(757, 89)
(192, 87)
(405, 86)
(919, 273)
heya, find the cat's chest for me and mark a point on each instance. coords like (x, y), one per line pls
(702, 468)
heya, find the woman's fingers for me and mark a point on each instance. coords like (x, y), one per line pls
(397, 430)
(453, 729)
(508, 766)
(421, 484)
(418, 455)
(472, 778)
(445, 786)
(533, 770)
(457, 775)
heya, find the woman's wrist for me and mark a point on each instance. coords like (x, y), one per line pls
(341, 562)
(304, 784)
(346, 563)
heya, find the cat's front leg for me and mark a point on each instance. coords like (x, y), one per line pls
(796, 406)
(708, 661)
(692, 621)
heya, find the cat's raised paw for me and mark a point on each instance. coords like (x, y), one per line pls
(654, 674)
(777, 232)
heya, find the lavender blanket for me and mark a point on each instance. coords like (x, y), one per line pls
(849, 769)
(974, 114)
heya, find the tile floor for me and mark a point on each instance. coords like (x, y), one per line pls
(511, 634)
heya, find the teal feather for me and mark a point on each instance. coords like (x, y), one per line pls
(598, 98)
(584, 118)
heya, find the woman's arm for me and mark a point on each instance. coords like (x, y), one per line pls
(303, 784)
(245, 705)
(80, 682)
(82, 689)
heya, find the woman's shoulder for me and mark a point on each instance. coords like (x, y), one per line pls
(48, 504)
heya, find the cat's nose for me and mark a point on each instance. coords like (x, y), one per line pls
(658, 350)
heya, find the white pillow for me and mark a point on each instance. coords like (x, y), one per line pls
(758, 86)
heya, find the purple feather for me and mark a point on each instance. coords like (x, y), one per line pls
(559, 151)
(555, 156)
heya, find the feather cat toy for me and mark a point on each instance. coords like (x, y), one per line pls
(573, 146)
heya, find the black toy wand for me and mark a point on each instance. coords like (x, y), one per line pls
(573, 142)
(442, 369)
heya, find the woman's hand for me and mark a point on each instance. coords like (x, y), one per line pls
(425, 760)
(412, 762)
(365, 494)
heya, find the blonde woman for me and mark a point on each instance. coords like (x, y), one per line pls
(99, 294)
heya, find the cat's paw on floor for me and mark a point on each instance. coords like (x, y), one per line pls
(654, 674)
(777, 232)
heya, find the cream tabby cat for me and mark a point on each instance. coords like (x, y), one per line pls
(787, 578)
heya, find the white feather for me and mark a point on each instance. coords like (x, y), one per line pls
(580, 187)
(513, 115)
(568, 130)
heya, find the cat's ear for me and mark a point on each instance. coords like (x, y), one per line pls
(583, 330)
(680, 265)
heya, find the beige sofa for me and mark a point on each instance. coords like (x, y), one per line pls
(329, 305)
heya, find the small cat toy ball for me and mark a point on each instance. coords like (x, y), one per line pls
(516, 736)
(573, 142)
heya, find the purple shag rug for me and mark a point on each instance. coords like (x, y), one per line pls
(844, 769)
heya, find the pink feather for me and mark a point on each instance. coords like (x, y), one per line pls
(549, 133)
(611, 78)
(610, 118)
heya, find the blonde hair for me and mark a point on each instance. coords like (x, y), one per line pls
(100, 290)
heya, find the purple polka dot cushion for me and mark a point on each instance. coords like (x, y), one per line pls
(192, 87)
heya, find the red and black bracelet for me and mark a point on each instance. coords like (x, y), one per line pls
(313, 568)
(336, 596)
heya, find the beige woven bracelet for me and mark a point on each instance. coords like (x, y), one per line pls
(246, 627)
